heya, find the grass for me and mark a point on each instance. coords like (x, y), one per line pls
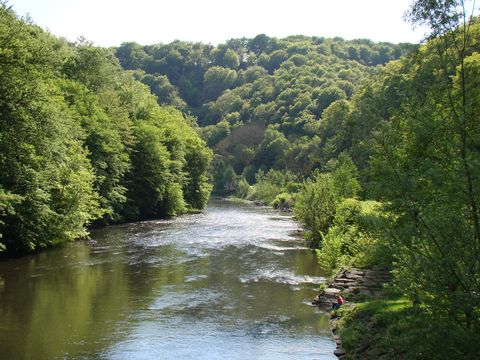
(391, 328)
(367, 318)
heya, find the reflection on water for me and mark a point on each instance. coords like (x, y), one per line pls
(232, 283)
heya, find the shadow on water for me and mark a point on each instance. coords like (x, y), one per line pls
(233, 282)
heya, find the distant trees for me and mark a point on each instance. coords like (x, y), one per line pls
(217, 79)
(284, 82)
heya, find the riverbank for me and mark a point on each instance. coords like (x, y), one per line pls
(378, 323)
(356, 286)
(280, 206)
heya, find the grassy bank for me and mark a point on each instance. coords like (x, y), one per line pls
(393, 328)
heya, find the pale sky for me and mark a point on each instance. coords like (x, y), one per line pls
(111, 22)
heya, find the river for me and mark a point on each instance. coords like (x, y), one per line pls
(234, 282)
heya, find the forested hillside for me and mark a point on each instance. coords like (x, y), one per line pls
(262, 102)
(83, 141)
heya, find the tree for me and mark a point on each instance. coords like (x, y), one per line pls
(217, 79)
(148, 182)
(344, 175)
(132, 56)
(230, 59)
(166, 93)
(426, 167)
(259, 44)
(272, 149)
(46, 187)
(325, 96)
(315, 206)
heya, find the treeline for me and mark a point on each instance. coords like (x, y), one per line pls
(260, 101)
(82, 141)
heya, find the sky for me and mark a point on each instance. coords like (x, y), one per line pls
(111, 22)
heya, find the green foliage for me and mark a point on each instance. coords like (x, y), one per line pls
(8, 201)
(412, 133)
(213, 134)
(149, 178)
(170, 164)
(258, 82)
(345, 176)
(354, 237)
(159, 85)
(197, 187)
(284, 201)
(107, 151)
(271, 184)
(244, 190)
(394, 328)
(217, 79)
(315, 206)
(81, 140)
(426, 171)
(224, 178)
(47, 181)
(271, 152)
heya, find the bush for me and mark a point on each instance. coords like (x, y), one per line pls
(353, 237)
(283, 201)
(244, 190)
(315, 207)
(271, 184)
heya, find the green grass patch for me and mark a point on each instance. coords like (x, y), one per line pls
(391, 328)
(238, 200)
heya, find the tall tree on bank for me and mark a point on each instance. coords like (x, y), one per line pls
(46, 179)
(81, 140)
(427, 166)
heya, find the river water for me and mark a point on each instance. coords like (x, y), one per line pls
(234, 282)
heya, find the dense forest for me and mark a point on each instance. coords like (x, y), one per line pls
(83, 142)
(375, 146)
(262, 102)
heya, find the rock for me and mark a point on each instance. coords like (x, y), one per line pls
(370, 283)
(365, 292)
(331, 292)
(352, 290)
(345, 280)
(339, 352)
(367, 282)
(357, 278)
(355, 271)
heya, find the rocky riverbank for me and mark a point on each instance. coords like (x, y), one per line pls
(352, 283)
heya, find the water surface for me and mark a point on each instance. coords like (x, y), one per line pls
(232, 283)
